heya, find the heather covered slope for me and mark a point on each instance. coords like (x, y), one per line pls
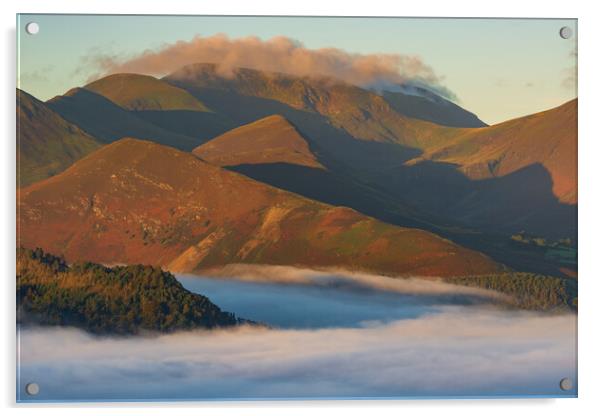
(108, 122)
(139, 202)
(269, 140)
(46, 143)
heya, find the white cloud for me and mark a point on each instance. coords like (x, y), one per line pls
(278, 54)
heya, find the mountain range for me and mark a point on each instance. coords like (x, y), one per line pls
(135, 201)
(252, 166)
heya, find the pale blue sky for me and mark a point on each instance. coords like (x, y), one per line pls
(498, 68)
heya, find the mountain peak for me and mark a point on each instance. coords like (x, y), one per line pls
(144, 93)
(272, 139)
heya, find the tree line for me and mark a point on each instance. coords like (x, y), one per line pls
(528, 290)
(109, 300)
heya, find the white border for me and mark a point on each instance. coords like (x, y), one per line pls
(590, 207)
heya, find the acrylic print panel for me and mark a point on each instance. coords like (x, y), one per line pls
(217, 208)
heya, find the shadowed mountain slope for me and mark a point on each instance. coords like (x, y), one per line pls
(272, 150)
(516, 176)
(425, 105)
(445, 198)
(231, 98)
(108, 122)
(355, 111)
(336, 116)
(203, 126)
(160, 103)
(46, 143)
(139, 202)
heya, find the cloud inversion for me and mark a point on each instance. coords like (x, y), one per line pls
(453, 353)
(326, 341)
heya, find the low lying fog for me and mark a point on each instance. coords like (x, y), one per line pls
(310, 299)
(327, 341)
(346, 279)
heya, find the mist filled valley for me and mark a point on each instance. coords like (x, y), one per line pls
(327, 335)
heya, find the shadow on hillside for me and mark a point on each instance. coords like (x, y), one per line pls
(108, 122)
(443, 112)
(371, 177)
(503, 205)
(324, 139)
(522, 200)
(201, 125)
(328, 187)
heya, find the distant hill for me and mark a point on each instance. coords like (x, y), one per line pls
(520, 175)
(144, 93)
(138, 202)
(272, 139)
(109, 300)
(548, 138)
(108, 122)
(46, 143)
(425, 105)
(157, 102)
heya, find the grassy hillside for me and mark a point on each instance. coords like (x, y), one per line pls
(548, 138)
(108, 300)
(46, 143)
(268, 140)
(139, 202)
(144, 93)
